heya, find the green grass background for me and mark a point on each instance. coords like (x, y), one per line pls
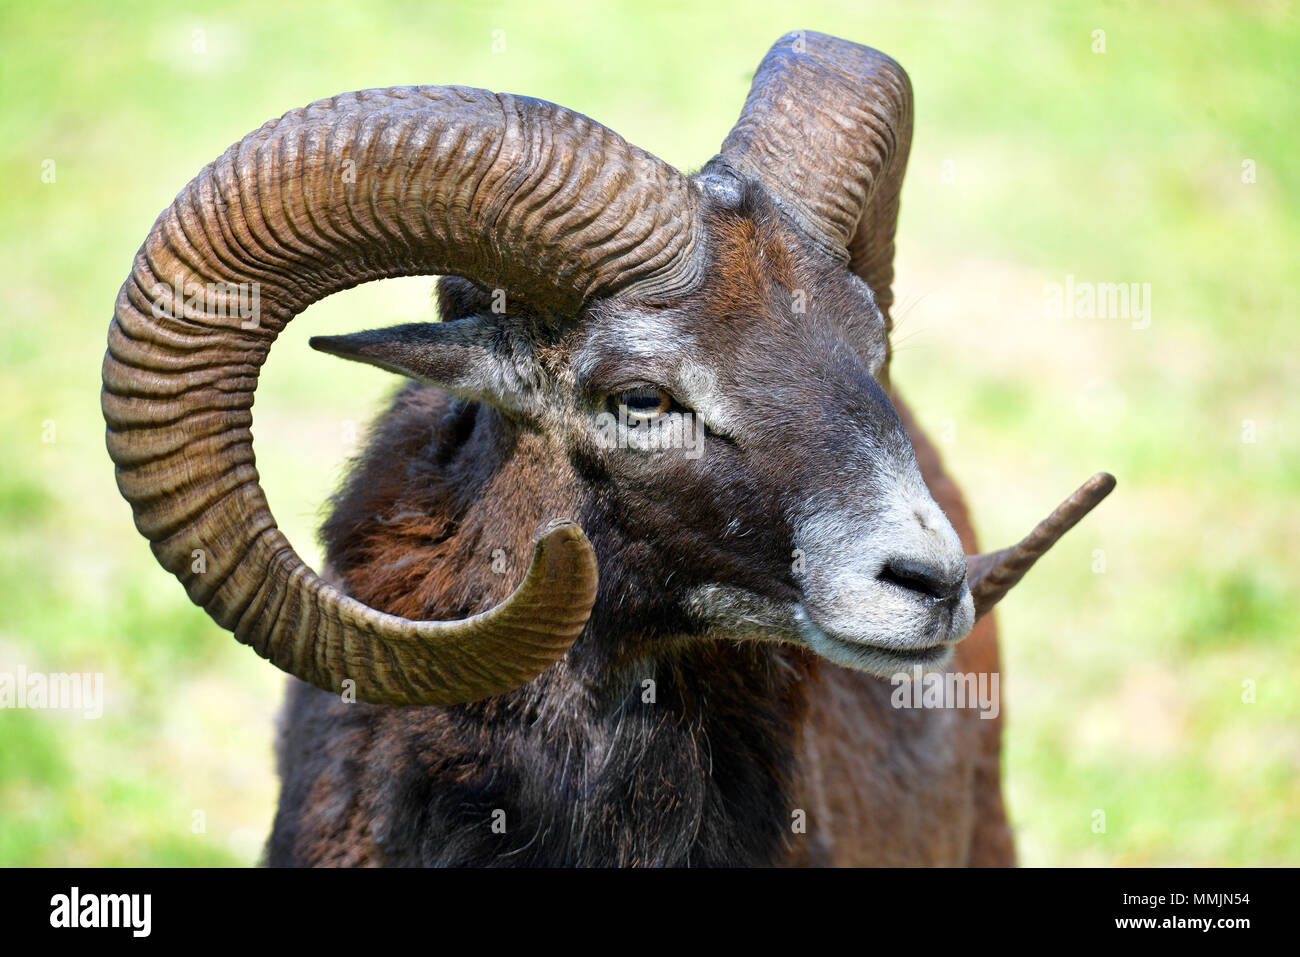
(1123, 689)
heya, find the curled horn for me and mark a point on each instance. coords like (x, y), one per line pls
(513, 193)
(994, 574)
(826, 129)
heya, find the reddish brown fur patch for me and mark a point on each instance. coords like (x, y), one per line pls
(753, 261)
(426, 534)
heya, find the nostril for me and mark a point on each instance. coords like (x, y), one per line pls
(919, 577)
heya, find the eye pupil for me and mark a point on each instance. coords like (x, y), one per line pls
(643, 403)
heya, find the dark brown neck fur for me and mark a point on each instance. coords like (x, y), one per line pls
(586, 770)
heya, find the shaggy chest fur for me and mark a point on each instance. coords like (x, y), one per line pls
(663, 774)
(707, 753)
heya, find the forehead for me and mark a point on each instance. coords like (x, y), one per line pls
(768, 299)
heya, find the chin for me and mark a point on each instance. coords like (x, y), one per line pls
(878, 660)
(886, 651)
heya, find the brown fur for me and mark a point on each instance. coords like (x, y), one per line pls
(743, 734)
(881, 786)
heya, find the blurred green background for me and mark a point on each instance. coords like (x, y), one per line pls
(1036, 157)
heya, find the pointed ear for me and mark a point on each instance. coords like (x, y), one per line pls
(473, 358)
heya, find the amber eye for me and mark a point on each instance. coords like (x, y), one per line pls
(642, 404)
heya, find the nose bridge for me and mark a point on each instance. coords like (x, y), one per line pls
(873, 392)
(865, 500)
(861, 452)
(854, 395)
(848, 423)
(848, 453)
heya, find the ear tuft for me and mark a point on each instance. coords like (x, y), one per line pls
(458, 298)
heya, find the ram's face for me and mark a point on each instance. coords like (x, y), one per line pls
(743, 438)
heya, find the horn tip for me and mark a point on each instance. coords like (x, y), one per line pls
(1099, 486)
(560, 530)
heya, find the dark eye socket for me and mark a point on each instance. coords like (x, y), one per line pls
(641, 404)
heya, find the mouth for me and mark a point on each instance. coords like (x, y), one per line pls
(881, 660)
(928, 641)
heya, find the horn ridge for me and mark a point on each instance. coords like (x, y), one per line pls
(994, 574)
(510, 192)
(826, 128)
